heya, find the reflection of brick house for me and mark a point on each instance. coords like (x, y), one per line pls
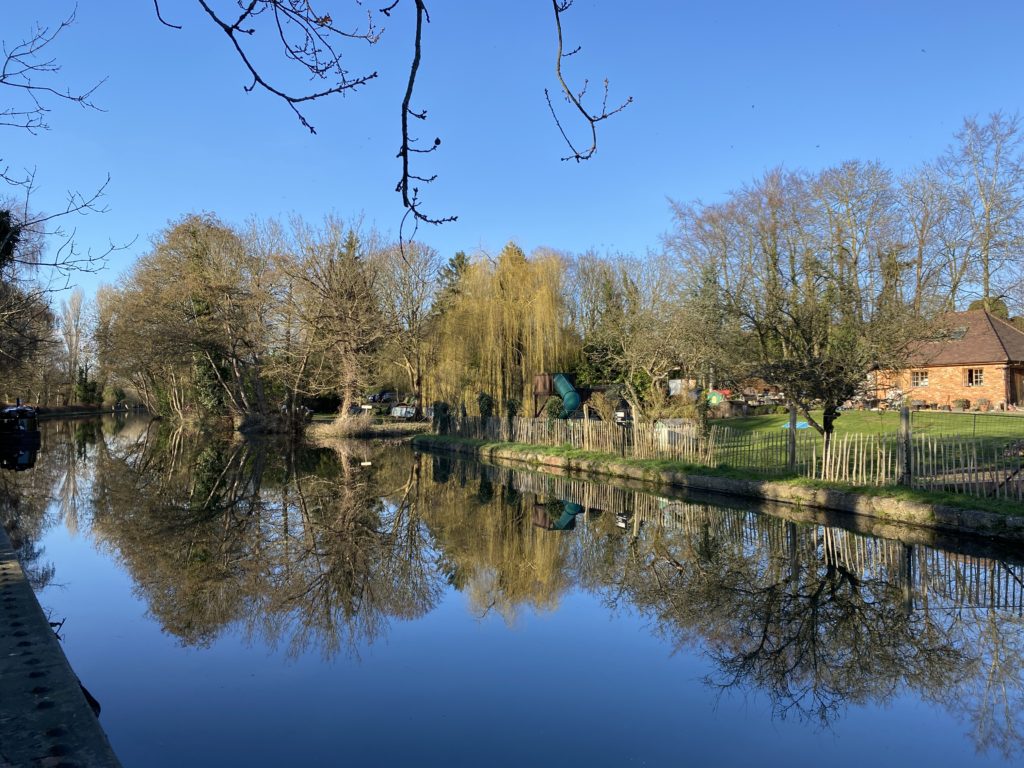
(979, 357)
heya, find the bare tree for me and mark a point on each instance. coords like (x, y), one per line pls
(812, 268)
(29, 72)
(641, 328)
(409, 279)
(334, 295)
(72, 336)
(985, 173)
(38, 251)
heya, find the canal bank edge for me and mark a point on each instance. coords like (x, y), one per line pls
(45, 719)
(940, 517)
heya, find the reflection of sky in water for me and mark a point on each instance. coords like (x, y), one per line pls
(566, 647)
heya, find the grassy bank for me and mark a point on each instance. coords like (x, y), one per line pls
(656, 470)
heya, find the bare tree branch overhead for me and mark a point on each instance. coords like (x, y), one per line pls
(411, 200)
(28, 74)
(29, 69)
(312, 36)
(575, 98)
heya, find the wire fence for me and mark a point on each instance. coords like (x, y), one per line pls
(972, 425)
(940, 459)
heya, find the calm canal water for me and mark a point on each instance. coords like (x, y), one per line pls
(250, 604)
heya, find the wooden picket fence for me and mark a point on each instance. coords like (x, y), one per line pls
(983, 467)
(681, 441)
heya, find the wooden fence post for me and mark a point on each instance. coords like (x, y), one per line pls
(791, 439)
(907, 457)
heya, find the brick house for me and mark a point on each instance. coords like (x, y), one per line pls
(979, 358)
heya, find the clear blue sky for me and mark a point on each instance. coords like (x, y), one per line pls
(722, 91)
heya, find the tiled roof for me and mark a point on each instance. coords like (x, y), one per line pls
(972, 337)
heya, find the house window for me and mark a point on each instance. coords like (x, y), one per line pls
(919, 378)
(974, 377)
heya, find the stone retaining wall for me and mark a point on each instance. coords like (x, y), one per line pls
(45, 719)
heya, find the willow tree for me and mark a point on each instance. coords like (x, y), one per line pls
(506, 322)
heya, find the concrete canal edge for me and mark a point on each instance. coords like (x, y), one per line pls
(942, 518)
(45, 719)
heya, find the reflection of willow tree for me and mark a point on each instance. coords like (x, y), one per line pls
(490, 546)
(304, 548)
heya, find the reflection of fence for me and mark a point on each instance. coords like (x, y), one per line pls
(989, 465)
(934, 576)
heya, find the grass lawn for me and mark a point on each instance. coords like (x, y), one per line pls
(860, 422)
(888, 422)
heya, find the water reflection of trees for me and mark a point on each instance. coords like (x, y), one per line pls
(769, 601)
(814, 636)
(323, 549)
(54, 489)
(307, 548)
(490, 548)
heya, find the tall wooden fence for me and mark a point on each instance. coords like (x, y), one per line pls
(979, 466)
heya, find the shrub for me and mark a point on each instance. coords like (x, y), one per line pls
(962, 403)
(345, 426)
(604, 404)
(983, 404)
(782, 409)
(554, 407)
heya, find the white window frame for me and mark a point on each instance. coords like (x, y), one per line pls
(974, 377)
(919, 378)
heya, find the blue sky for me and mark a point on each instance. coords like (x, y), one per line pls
(722, 92)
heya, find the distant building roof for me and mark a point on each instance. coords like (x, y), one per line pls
(974, 337)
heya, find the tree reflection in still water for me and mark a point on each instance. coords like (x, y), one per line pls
(321, 549)
(306, 548)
